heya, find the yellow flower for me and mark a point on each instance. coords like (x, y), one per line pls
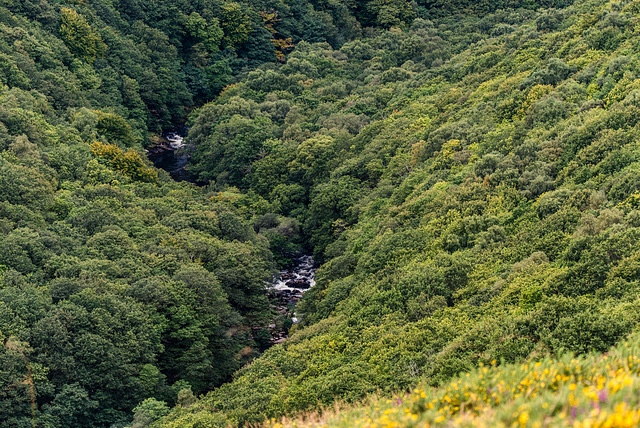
(524, 417)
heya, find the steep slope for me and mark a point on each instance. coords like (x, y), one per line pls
(474, 199)
(116, 284)
(470, 183)
(119, 288)
(587, 391)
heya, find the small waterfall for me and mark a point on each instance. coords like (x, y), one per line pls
(172, 155)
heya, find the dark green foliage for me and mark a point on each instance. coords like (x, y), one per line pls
(553, 73)
(111, 307)
(440, 8)
(72, 407)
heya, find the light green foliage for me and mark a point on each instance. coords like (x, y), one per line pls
(235, 25)
(79, 37)
(115, 128)
(209, 33)
(593, 390)
(476, 205)
(387, 13)
(125, 290)
(22, 185)
(128, 163)
(148, 411)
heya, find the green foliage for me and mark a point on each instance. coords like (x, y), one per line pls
(510, 394)
(209, 33)
(231, 147)
(128, 163)
(471, 197)
(115, 128)
(470, 184)
(386, 13)
(79, 37)
(72, 406)
(235, 25)
(439, 8)
(149, 411)
(114, 302)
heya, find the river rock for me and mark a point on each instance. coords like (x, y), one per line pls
(298, 283)
(158, 149)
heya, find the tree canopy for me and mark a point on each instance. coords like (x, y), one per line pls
(465, 172)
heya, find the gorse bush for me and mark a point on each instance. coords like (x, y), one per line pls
(595, 390)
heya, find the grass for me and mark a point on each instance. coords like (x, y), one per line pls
(598, 390)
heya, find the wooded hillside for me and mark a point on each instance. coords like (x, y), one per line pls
(467, 174)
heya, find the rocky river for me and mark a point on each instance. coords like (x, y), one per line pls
(172, 155)
(286, 291)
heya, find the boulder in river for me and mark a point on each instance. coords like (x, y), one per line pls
(298, 283)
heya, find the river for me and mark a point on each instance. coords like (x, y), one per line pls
(286, 291)
(172, 155)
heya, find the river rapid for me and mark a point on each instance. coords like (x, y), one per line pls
(285, 291)
(172, 155)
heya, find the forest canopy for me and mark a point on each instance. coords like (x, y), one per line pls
(465, 172)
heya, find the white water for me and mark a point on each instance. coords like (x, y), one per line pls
(292, 283)
(175, 141)
(304, 270)
(174, 160)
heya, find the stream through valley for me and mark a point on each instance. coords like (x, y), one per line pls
(286, 291)
(287, 288)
